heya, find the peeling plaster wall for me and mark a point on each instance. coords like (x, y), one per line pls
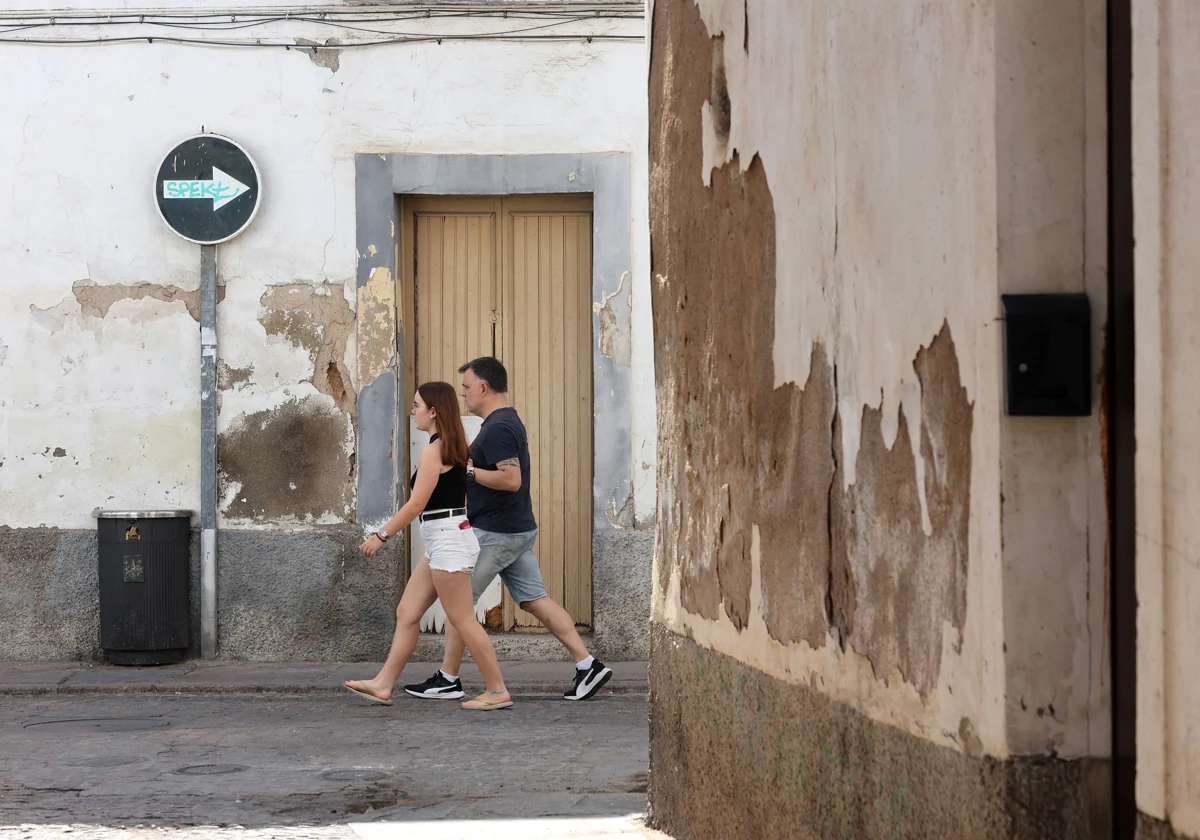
(1166, 158)
(821, 424)
(98, 332)
(117, 395)
(840, 193)
(99, 373)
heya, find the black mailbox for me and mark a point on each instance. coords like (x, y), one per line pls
(1047, 355)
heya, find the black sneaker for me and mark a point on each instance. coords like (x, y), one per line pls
(436, 687)
(589, 681)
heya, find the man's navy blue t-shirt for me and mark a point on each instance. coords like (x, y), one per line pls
(502, 437)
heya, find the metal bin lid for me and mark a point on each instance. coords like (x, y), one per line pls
(142, 514)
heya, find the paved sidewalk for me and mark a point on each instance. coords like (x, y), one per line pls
(319, 766)
(222, 676)
(630, 827)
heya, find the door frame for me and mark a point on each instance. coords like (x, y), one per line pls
(1119, 410)
(503, 209)
(381, 180)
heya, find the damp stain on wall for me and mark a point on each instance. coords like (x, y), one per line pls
(294, 462)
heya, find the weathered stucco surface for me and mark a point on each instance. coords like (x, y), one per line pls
(810, 524)
(737, 753)
(1052, 222)
(64, 622)
(284, 595)
(1149, 828)
(95, 301)
(377, 326)
(126, 421)
(902, 565)
(99, 324)
(843, 504)
(290, 462)
(98, 332)
(318, 319)
(1166, 157)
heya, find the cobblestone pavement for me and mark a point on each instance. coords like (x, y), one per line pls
(202, 766)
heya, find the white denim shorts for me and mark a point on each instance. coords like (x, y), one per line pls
(450, 547)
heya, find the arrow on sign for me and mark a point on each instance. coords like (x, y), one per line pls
(222, 189)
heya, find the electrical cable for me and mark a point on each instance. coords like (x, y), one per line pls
(339, 19)
(356, 10)
(354, 28)
(290, 45)
(330, 16)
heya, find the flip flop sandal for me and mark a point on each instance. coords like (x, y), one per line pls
(366, 695)
(478, 705)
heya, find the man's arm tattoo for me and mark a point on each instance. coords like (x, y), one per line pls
(509, 462)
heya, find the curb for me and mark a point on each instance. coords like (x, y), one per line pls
(534, 690)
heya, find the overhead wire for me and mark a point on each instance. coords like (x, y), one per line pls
(201, 20)
(205, 42)
(322, 18)
(339, 19)
(351, 28)
(362, 12)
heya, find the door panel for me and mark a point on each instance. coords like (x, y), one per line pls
(546, 252)
(456, 255)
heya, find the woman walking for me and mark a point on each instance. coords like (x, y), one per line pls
(438, 499)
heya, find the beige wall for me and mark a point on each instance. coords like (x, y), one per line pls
(1051, 168)
(913, 161)
(1166, 154)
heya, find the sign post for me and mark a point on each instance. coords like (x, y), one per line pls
(207, 191)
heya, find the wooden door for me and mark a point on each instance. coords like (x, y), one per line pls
(511, 277)
(455, 250)
(546, 338)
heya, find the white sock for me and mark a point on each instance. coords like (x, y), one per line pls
(584, 664)
(448, 676)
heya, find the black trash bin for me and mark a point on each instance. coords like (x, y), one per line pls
(144, 585)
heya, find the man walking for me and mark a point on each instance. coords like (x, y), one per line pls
(501, 514)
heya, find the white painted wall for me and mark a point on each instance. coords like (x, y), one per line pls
(1052, 223)
(88, 127)
(1166, 158)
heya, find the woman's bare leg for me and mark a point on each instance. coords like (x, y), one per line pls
(452, 656)
(454, 590)
(418, 595)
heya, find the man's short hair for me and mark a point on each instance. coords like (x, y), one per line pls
(490, 370)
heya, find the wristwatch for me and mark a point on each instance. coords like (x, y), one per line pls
(383, 536)
(470, 475)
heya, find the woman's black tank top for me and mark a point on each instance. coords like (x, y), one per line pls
(451, 489)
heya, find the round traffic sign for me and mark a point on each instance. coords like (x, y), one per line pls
(208, 189)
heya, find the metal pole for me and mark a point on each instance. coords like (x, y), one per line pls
(208, 451)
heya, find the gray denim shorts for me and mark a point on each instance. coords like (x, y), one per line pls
(510, 556)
